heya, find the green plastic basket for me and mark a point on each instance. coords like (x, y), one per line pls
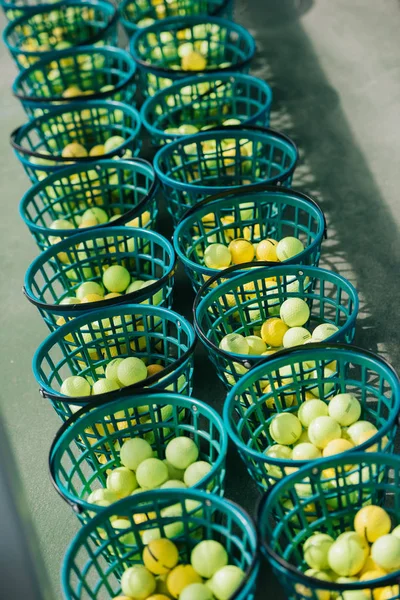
(87, 446)
(222, 159)
(89, 124)
(85, 345)
(307, 502)
(99, 553)
(225, 46)
(284, 383)
(83, 73)
(206, 101)
(141, 13)
(49, 28)
(57, 273)
(256, 214)
(223, 306)
(125, 189)
(14, 10)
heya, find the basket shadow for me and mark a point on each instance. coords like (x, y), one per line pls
(363, 242)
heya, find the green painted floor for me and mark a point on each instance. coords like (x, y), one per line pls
(334, 69)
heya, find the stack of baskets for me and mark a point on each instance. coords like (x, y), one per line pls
(104, 282)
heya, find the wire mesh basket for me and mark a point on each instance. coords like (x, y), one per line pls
(74, 74)
(52, 27)
(214, 161)
(263, 212)
(100, 552)
(77, 133)
(86, 345)
(126, 190)
(88, 445)
(134, 14)
(55, 277)
(172, 48)
(324, 497)
(205, 101)
(283, 384)
(240, 304)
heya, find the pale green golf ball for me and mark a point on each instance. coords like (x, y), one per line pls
(116, 279)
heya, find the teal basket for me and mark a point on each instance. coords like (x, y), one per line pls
(214, 161)
(206, 101)
(257, 214)
(99, 553)
(53, 27)
(87, 446)
(87, 123)
(136, 14)
(284, 383)
(76, 74)
(307, 503)
(14, 10)
(225, 46)
(125, 189)
(223, 305)
(85, 345)
(57, 273)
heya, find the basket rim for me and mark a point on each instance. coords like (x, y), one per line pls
(189, 21)
(271, 269)
(67, 243)
(359, 458)
(107, 6)
(313, 349)
(212, 201)
(226, 130)
(109, 50)
(132, 26)
(66, 433)
(169, 495)
(94, 315)
(66, 172)
(110, 105)
(231, 77)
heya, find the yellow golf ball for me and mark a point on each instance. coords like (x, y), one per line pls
(160, 556)
(272, 332)
(266, 250)
(372, 522)
(241, 251)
